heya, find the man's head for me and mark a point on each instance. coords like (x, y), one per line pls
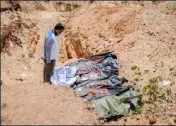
(58, 28)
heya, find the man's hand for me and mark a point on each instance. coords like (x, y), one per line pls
(47, 65)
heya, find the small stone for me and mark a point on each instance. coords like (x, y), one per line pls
(4, 105)
(21, 77)
(125, 120)
(137, 118)
(152, 121)
(26, 68)
(101, 121)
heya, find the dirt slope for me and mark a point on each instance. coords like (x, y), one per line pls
(142, 34)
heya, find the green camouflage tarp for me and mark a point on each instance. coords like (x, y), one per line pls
(124, 104)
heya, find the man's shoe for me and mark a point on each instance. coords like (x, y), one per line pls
(47, 82)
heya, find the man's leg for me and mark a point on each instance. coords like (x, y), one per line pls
(51, 71)
(46, 72)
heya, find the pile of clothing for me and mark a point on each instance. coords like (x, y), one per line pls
(97, 80)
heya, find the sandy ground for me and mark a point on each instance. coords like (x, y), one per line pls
(32, 102)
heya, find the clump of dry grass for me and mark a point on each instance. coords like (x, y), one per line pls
(155, 97)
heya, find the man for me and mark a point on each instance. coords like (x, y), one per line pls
(51, 51)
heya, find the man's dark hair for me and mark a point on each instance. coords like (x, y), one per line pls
(59, 26)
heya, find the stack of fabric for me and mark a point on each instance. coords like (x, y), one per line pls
(96, 80)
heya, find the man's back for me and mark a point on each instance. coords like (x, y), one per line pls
(50, 46)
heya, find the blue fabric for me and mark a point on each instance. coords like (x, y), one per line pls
(48, 34)
(64, 75)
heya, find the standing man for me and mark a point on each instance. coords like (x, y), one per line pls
(51, 51)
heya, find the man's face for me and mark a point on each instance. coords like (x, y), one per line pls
(59, 31)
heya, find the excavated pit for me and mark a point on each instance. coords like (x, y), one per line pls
(25, 32)
(74, 47)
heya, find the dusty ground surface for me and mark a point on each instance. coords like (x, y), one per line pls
(142, 34)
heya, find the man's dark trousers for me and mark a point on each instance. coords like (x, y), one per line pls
(48, 72)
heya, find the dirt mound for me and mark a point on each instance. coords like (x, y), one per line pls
(19, 32)
(99, 28)
(10, 5)
(137, 33)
